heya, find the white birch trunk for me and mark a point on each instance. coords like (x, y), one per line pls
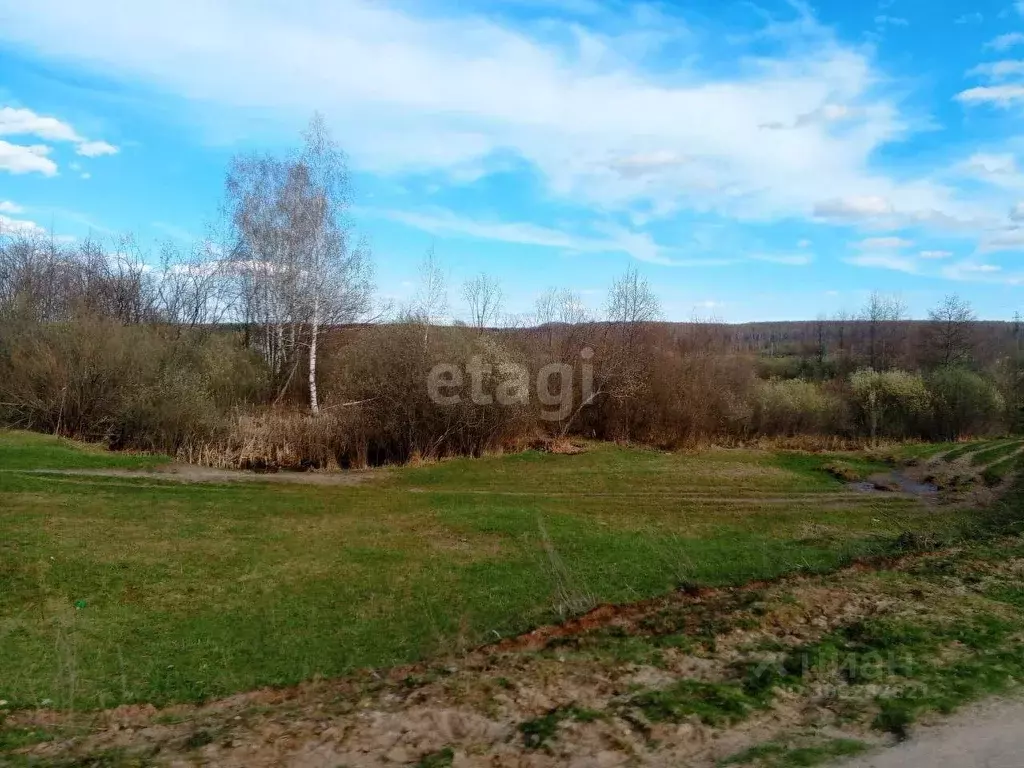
(314, 332)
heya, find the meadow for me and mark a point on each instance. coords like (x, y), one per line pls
(119, 588)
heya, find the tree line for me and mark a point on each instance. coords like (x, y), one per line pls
(264, 345)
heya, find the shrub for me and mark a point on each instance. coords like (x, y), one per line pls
(964, 403)
(890, 403)
(142, 387)
(791, 407)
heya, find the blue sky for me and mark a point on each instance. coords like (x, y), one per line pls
(755, 160)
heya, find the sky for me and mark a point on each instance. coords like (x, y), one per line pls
(754, 160)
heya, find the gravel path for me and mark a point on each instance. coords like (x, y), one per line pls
(989, 735)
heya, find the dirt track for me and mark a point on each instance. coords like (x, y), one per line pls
(191, 473)
(989, 735)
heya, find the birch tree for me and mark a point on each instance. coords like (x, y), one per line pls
(299, 269)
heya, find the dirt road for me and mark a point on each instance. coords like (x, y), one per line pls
(990, 735)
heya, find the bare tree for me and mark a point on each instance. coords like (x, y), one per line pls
(297, 266)
(882, 315)
(431, 300)
(631, 303)
(559, 315)
(484, 298)
(949, 336)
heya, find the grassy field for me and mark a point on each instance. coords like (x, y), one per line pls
(117, 589)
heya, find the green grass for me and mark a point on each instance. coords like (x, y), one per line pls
(997, 451)
(778, 755)
(28, 450)
(116, 590)
(538, 732)
(713, 703)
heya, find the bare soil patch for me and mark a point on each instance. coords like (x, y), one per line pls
(192, 473)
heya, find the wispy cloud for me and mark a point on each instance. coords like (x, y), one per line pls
(881, 243)
(1004, 42)
(889, 261)
(1000, 95)
(614, 239)
(998, 70)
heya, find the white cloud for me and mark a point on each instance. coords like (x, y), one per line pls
(6, 206)
(9, 226)
(998, 70)
(25, 122)
(601, 126)
(970, 18)
(883, 243)
(1007, 239)
(884, 261)
(644, 164)
(96, 149)
(935, 254)
(1008, 40)
(891, 21)
(853, 208)
(1000, 95)
(999, 169)
(824, 115)
(18, 158)
(803, 243)
(985, 165)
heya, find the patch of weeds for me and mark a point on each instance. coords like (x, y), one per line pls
(538, 732)
(906, 657)
(895, 716)
(15, 738)
(831, 469)
(990, 455)
(963, 450)
(713, 703)
(844, 471)
(760, 678)
(774, 754)
(996, 473)
(114, 758)
(198, 739)
(440, 759)
(1004, 593)
(412, 682)
(169, 718)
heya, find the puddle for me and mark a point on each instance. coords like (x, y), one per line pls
(895, 481)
